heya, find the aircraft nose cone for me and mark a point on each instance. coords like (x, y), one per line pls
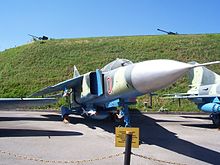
(152, 75)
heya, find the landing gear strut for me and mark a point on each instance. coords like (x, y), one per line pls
(65, 112)
(215, 119)
(125, 112)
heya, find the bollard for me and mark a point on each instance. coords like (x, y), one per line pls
(128, 143)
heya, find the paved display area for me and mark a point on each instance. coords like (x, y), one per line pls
(41, 138)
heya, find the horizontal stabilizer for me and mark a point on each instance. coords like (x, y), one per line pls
(6, 103)
(175, 94)
(200, 96)
(191, 96)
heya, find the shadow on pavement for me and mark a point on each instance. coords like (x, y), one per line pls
(32, 133)
(196, 117)
(153, 134)
(43, 118)
(210, 126)
(150, 133)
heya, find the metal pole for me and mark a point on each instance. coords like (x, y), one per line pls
(151, 101)
(127, 157)
(179, 102)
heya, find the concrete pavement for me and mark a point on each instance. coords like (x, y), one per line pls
(41, 138)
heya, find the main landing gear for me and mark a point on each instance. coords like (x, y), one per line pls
(65, 112)
(215, 119)
(124, 112)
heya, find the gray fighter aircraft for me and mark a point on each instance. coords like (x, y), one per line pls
(204, 92)
(98, 93)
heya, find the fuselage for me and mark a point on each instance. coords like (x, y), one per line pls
(131, 80)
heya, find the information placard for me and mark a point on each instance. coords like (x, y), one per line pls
(120, 136)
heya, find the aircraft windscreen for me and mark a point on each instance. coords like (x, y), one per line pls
(116, 64)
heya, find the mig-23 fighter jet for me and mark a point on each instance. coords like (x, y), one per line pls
(98, 93)
(204, 92)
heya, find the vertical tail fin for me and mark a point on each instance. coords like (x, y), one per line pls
(75, 72)
(202, 76)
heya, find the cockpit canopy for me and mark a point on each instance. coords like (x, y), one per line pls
(116, 64)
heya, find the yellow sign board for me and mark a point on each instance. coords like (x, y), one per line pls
(120, 136)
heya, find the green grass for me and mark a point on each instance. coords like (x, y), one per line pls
(28, 68)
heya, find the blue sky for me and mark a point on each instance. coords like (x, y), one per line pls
(93, 18)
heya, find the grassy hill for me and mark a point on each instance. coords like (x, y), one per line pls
(28, 68)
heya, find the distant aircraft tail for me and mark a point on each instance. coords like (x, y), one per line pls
(75, 72)
(202, 76)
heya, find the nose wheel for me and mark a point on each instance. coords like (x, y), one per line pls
(125, 113)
